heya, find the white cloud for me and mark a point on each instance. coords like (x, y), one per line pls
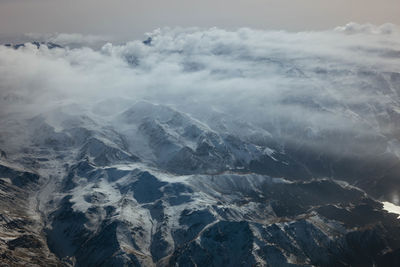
(315, 81)
(353, 28)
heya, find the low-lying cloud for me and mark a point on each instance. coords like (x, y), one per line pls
(312, 81)
(353, 28)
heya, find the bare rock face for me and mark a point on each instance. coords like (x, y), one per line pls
(22, 241)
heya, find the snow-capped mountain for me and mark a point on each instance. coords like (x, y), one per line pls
(202, 148)
(151, 185)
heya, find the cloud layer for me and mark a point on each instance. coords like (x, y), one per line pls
(314, 82)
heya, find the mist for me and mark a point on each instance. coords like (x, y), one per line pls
(343, 80)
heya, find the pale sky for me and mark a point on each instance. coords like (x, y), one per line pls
(134, 17)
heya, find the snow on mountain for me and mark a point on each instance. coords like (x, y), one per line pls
(202, 147)
(109, 203)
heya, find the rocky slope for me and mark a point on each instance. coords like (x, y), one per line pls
(22, 241)
(153, 186)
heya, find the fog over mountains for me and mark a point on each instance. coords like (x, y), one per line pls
(202, 147)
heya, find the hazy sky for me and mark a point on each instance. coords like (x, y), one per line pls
(134, 17)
